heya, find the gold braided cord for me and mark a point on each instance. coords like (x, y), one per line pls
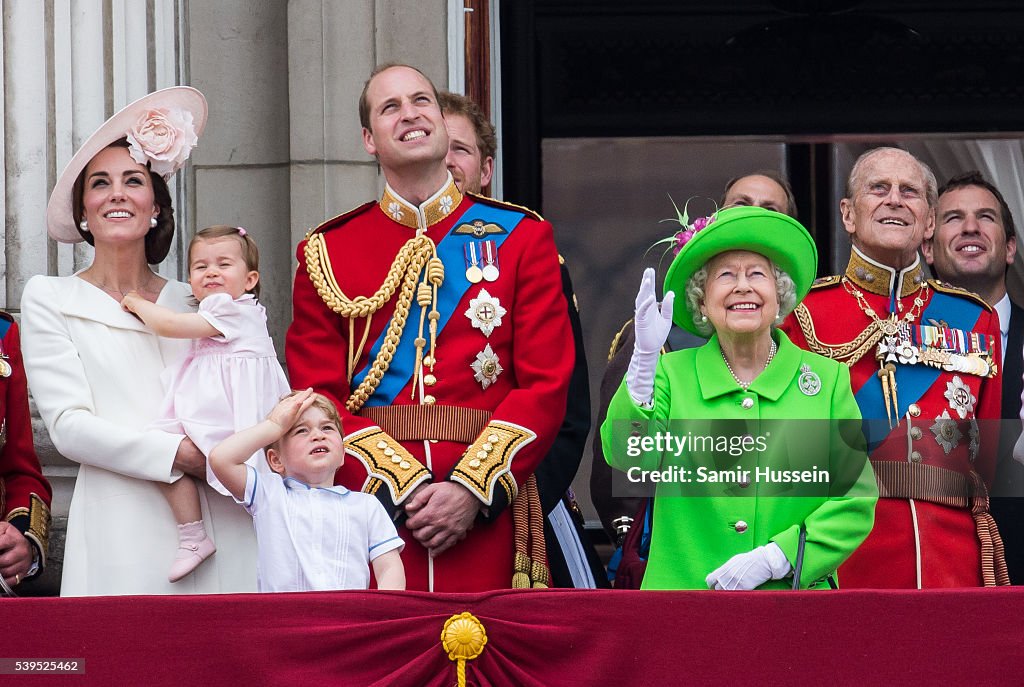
(416, 251)
(848, 353)
(405, 270)
(852, 351)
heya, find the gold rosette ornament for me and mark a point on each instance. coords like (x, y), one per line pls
(464, 638)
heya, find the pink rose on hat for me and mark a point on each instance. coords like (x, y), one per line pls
(164, 137)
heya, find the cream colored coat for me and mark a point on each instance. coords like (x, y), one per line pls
(94, 371)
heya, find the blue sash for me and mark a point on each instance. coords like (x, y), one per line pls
(913, 381)
(451, 252)
(5, 324)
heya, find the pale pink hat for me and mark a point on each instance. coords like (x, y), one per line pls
(162, 128)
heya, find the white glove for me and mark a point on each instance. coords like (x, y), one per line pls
(1018, 449)
(651, 326)
(746, 571)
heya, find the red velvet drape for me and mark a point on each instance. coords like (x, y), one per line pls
(534, 638)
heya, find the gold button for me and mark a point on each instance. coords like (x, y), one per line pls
(481, 454)
(389, 451)
(914, 410)
(493, 438)
(915, 456)
(396, 459)
(429, 400)
(487, 447)
(474, 463)
(427, 361)
(915, 432)
(382, 444)
(430, 380)
(404, 465)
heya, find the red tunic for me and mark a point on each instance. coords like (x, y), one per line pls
(24, 492)
(945, 420)
(532, 344)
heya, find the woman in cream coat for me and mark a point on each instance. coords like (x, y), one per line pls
(94, 369)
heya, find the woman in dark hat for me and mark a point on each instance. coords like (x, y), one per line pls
(95, 369)
(754, 444)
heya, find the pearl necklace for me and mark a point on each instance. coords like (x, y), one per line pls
(746, 385)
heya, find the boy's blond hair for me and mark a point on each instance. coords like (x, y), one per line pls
(322, 403)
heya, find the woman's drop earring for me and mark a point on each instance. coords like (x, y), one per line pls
(84, 226)
(152, 222)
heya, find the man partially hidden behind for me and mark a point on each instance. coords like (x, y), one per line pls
(437, 324)
(573, 561)
(924, 361)
(974, 244)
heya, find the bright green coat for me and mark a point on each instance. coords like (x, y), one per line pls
(698, 526)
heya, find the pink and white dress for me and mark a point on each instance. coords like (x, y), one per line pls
(226, 383)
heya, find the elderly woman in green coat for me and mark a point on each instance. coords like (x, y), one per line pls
(754, 445)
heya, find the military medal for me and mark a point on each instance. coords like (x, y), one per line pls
(809, 382)
(490, 251)
(947, 434)
(473, 272)
(485, 312)
(960, 397)
(486, 367)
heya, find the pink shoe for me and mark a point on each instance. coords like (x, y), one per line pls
(194, 547)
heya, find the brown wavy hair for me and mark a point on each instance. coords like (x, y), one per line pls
(158, 240)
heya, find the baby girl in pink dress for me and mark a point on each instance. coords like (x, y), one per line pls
(231, 378)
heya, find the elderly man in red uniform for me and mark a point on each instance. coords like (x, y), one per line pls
(436, 322)
(924, 359)
(24, 492)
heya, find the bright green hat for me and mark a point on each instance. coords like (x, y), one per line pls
(778, 237)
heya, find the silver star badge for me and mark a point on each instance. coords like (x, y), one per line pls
(947, 434)
(486, 367)
(485, 312)
(960, 397)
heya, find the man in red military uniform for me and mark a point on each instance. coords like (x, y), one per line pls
(436, 322)
(924, 359)
(24, 492)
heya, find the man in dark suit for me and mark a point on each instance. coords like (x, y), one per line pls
(973, 246)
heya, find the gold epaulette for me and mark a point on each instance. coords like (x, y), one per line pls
(830, 280)
(488, 460)
(617, 340)
(944, 287)
(340, 219)
(487, 200)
